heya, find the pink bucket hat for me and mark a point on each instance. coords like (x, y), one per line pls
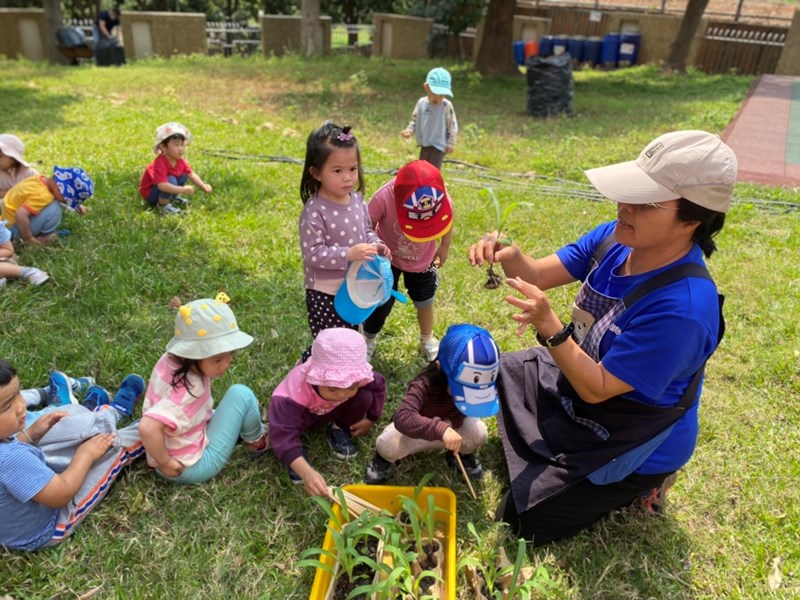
(12, 146)
(338, 359)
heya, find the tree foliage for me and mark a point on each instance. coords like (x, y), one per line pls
(458, 15)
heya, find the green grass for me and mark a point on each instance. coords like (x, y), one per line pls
(734, 510)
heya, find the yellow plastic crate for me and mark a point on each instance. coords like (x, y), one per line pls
(388, 497)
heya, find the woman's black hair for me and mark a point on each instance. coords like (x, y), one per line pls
(180, 376)
(321, 142)
(709, 221)
(7, 372)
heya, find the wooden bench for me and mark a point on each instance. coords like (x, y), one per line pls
(73, 54)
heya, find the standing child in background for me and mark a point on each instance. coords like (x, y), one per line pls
(443, 406)
(57, 469)
(186, 439)
(335, 225)
(335, 385)
(13, 167)
(434, 119)
(166, 176)
(32, 208)
(410, 213)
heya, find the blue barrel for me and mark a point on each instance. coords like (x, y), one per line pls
(519, 53)
(591, 50)
(629, 49)
(560, 43)
(609, 51)
(546, 46)
(576, 47)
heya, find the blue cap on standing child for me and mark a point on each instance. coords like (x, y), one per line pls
(205, 328)
(470, 360)
(439, 82)
(75, 185)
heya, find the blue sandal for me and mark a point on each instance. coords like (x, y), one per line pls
(128, 395)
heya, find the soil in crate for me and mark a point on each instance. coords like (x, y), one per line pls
(362, 575)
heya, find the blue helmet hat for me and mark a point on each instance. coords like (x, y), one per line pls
(75, 185)
(471, 361)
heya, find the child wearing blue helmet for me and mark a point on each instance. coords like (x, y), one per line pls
(443, 405)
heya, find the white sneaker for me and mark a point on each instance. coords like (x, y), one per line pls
(36, 276)
(371, 343)
(430, 349)
(168, 209)
(3, 282)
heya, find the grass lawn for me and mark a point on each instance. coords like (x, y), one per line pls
(732, 522)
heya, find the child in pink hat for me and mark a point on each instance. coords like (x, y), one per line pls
(335, 385)
(13, 167)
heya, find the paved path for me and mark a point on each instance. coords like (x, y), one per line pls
(765, 135)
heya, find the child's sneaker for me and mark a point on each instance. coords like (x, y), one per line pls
(180, 202)
(472, 465)
(81, 385)
(342, 443)
(128, 395)
(36, 276)
(60, 389)
(95, 396)
(430, 349)
(168, 209)
(378, 470)
(371, 343)
(3, 282)
(258, 446)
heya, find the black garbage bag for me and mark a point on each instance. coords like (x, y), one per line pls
(108, 52)
(71, 37)
(549, 85)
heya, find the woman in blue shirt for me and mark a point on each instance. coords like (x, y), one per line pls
(607, 409)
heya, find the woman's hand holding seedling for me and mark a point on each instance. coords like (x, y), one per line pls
(491, 248)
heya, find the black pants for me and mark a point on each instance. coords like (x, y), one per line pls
(582, 505)
(432, 155)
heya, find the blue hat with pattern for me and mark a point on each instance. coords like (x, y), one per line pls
(75, 185)
(470, 359)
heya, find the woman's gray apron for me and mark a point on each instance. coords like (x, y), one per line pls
(551, 438)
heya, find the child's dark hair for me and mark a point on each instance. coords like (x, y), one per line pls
(319, 146)
(710, 224)
(7, 372)
(435, 372)
(174, 136)
(180, 376)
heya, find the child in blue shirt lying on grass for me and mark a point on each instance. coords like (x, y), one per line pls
(56, 469)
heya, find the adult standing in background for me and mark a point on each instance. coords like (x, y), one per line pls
(107, 24)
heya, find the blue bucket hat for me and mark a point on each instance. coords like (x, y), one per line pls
(367, 285)
(75, 185)
(439, 82)
(470, 359)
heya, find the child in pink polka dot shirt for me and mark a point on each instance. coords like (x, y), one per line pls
(335, 226)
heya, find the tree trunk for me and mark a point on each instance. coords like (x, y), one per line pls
(53, 19)
(679, 51)
(495, 56)
(310, 29)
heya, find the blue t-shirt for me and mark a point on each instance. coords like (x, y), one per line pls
(5, 232)
(26, 524)
(658, 344)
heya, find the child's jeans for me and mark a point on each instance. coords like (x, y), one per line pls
(237, 415)
(393, 445)
(155, 193)
(45, 223)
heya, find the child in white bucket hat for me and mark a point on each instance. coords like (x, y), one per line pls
(167, 176)
(13, 166)
(187, 440)
(335, 385)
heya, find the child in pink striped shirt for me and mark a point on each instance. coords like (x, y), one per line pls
(186, 439)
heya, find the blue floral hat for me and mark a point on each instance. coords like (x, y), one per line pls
(75, 185)
(470, 359)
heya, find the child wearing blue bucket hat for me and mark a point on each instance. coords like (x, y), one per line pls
(434, 119)
(443, 406)
(32, 208)
(186, 438)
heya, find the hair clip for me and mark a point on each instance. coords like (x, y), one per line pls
(344, 137)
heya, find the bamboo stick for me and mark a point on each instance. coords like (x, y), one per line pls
(466, 477)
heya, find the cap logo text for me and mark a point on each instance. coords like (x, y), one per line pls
(653, 149)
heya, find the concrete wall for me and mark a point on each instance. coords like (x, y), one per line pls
(22, 33)
(399, 36)
(789, 63)
(163, 33)
(657, 33)
(281, 33)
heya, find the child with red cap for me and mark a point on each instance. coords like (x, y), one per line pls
(410, 213)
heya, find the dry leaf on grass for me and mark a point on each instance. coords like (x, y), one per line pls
(775, 574)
